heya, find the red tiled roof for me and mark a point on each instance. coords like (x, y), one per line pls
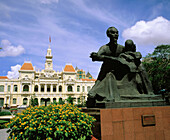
(69, 68)
(88, 79)
(3, 77)
(27, 66)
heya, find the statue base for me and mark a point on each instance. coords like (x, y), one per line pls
(141, 100)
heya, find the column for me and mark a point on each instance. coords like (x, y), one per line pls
(45, 88)
(21, 88)
(18, 101)
(39, 99)
(9, 100)
(51, 88)
(65, 88)
(28, 101)
(12, 87)
(5, 87)
(39, 88)
(73, 88)
(57, 88)
(85, 88)
(31, 88)
(81, 88)
(76, 102)
(5, 99)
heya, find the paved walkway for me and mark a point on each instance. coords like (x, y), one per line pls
(6, 117)
(3, 134)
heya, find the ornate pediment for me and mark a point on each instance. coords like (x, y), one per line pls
(69, 81)
(48, 75)
(26, 78)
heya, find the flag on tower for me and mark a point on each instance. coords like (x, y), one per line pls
(50, 39)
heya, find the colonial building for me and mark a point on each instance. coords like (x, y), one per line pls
(46, 86)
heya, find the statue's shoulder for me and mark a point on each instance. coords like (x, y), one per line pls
(104, 47)
(121, 48)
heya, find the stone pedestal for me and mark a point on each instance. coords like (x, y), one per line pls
(133, 101)
(127, 123)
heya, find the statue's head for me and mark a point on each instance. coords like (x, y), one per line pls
(112, 33)
(130, 46)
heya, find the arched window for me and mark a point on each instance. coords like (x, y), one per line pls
(1, 88)
(14, 100)
(54, 100)
(9, 87)
(25, 101)
(78, 100)
(48, 88)
(1, 101)
(36, 88)
(60, 88)
(54, 88)
(42, 101)
(78, 88)
(15, 88)
(26, 88)
(88, 88)
(42, 88)
(83, 88)
(60, 100)
(69, 88)
(48, 101)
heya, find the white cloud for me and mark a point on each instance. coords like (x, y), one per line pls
(14, 74)
(99, 13)
(153, 32)
(10, 50)
(49, 1)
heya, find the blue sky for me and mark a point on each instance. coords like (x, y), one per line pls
(76, 27)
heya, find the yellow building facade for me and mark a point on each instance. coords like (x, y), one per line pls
(46, 86)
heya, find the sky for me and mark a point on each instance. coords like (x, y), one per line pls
(77, 28)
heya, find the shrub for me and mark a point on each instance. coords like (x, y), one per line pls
(52, 122)
(5, 113)
(11, 109)
(3, 123)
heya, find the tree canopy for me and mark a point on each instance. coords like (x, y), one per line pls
(162, 51)
(157, 65)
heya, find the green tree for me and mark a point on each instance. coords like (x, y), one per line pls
(70, 100)
(34, 101)
(157, 65)
(162, 51)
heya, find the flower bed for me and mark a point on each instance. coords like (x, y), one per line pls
(52, 122)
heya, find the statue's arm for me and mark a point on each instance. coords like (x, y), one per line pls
(99, 56)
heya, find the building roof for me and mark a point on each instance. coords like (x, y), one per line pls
(27, 66)
(76, 68)
(69, 68)
(3, 77)
(88, 74)
(88, 79)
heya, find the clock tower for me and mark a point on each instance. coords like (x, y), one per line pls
(49, 62)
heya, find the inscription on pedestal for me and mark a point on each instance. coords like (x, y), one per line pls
(148, 120)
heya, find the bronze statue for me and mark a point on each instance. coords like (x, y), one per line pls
(121, 72)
